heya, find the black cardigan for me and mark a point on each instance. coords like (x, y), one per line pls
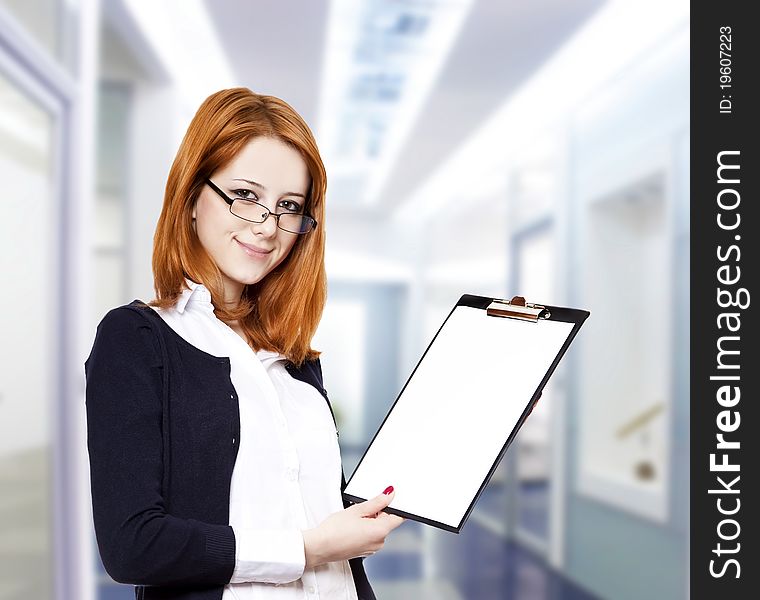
(163, 430)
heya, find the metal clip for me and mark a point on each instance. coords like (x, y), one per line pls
(517, 308)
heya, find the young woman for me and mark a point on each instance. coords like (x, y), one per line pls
(214, 459)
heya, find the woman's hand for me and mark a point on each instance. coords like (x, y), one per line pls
(358, 530)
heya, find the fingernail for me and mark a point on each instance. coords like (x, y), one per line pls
(388, 490)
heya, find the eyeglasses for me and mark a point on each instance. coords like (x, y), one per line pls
(250, 210)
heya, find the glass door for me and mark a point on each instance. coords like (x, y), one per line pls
(30, 122)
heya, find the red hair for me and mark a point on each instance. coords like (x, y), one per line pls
(281, 312)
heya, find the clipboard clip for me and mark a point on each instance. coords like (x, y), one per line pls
(517, 308)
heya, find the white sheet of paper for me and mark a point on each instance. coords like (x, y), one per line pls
(447, 428)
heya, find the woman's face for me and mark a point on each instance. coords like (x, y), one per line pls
(270, 172)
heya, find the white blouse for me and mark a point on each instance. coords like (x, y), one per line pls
(288, 470)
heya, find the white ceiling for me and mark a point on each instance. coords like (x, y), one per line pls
(278, 48)
(275, 47)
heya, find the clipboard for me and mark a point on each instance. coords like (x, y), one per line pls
(462, 406)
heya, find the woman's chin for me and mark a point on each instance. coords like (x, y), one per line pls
(249, 278)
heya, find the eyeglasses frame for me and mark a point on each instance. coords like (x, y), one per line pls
(231, 201)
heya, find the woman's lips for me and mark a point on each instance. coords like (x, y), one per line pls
(253, 250)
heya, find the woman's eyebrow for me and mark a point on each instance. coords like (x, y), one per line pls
(258, 185)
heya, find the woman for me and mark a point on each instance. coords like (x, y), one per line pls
(214, 459)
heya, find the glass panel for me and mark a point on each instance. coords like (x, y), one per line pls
(27, 259)
(625, 402)
(51, 23)
(111, 197)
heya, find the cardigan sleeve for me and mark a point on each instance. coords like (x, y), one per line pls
(139, 542)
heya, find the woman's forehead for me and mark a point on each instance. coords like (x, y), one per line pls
(272, 164)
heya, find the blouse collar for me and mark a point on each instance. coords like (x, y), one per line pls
(195, 293)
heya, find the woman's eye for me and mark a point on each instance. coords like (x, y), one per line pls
(244, 194)
(290, 205)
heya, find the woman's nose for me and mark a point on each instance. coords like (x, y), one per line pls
(268, 228)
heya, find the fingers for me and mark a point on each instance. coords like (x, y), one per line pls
(370, 508)
(393, 521)
(390, 521)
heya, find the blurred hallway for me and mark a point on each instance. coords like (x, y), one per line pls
(471, 146)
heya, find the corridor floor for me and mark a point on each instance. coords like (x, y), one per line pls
(423, 563)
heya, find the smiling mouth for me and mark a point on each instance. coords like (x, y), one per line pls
(253, 249)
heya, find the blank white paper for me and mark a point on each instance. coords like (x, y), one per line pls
(447, 428)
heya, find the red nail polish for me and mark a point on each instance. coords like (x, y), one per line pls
(388, 490)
